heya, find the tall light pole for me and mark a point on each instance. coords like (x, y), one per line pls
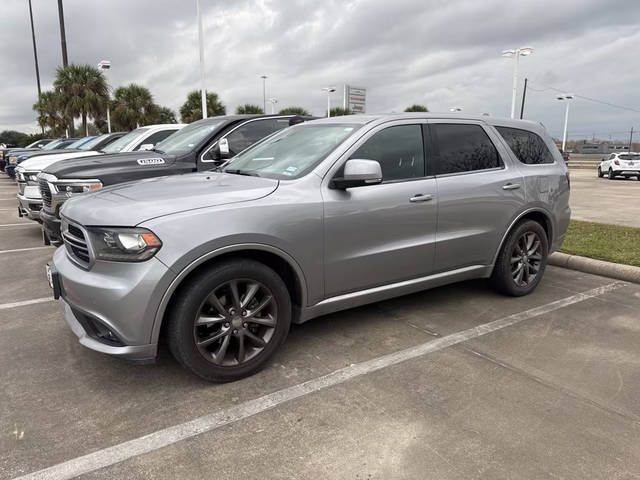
(273, 102)
(264, 93)
(329, 91)
(567, 97)
(63, 36)
(203, 90)
(516, 54)
(35, 56)
(105, 65)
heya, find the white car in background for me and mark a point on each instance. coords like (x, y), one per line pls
(620, 165)
(29, 198)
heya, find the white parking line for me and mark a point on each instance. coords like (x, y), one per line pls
(168, 436)
(4, 306)
(19, 224)
(25, 249)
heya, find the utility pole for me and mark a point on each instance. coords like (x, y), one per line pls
(630, 139)
(63, 36)
(524, 95)
(35, 56)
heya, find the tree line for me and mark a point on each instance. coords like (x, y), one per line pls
(82, 91)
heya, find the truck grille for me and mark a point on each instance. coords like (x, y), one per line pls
(76, 244)
(45, 192)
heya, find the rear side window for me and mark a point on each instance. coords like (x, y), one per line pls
(463, 148)
(528, 147)
(399, 151)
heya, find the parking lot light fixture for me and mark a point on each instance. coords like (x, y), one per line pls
(516, 54)
(273, 102)
(566, 97)
(329, 91)
(105, 65)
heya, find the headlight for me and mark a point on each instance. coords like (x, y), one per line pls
(19, 176)
(32, 178)
(78, 187)
(124, 244)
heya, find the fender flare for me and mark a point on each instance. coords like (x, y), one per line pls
(184, 273)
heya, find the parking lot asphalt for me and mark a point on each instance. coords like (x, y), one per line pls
(455, 382)
(604, 201)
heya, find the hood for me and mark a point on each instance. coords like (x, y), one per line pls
(39, 153)
(129, 204)
(92, 167)
(38, 163)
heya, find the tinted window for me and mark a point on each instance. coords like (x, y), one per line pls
(528, 147)
(248, 134)
(398, 150)
(154, 138)
(463, 148)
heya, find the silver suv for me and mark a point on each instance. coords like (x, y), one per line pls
(320, 217)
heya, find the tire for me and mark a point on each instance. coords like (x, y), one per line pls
(243, 355)
(611, 175)
(505, 274)
(600, 174)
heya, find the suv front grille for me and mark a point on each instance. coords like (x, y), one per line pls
(76, 243)
(45, 192)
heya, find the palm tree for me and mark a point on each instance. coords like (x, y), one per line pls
(49, 115)
(133, 106)
(165, 115)
(248, 108)
(416, 108)
(83, 91)
(339, 111)
(294, 111)
(191, 110)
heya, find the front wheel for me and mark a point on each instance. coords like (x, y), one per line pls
(600, 174)
(522, 260)
(228, 321)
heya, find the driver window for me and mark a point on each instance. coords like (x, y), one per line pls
(248, 134)
(399, 151)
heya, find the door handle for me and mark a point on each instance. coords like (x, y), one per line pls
(419, 197)
(511, 186)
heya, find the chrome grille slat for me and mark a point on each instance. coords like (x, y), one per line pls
(45, 192)
(76, 244)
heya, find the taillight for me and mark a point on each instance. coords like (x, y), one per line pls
(617, 162)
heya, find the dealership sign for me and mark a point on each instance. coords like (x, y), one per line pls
(355, 99)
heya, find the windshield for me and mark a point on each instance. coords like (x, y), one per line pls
(188, 138)
(122, 142)
(291, 153)
(77, 143)
(52, 145)
(629, 157)
(35, 144)
(93, 142)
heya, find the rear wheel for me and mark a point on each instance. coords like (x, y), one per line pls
(611, 175)
(227, 322)
(600, 174)
(522, 260)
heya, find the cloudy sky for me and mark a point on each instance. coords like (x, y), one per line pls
(440, 53)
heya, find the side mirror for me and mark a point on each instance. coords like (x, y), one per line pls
(358, 173)
(146, 146)
(223, 149)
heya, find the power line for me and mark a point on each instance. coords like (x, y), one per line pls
(584, 97)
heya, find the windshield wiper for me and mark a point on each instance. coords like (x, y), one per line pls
(239, 171)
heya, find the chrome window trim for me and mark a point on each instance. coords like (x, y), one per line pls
(201, 157)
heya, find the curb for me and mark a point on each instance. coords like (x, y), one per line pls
(628, 273)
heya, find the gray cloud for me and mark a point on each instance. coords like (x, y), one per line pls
(441, 53)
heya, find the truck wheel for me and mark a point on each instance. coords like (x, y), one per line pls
(522, 260)
(227, 322)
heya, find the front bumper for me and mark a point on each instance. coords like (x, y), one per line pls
(121, 297)
(51, 227)
(30, 203)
